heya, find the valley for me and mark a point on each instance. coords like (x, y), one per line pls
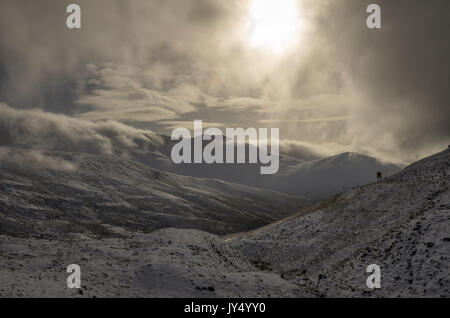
(401, 223)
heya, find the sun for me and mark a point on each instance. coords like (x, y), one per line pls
(274, 24)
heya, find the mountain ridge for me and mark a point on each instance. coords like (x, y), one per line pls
(47, 186)
(327, 247)
(400, 223)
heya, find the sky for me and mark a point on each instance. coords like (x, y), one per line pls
(309, 67)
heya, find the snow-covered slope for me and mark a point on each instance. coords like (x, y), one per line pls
(315, 178)
(401, 223)
(303, 171)
(322, 178)
(54, 194)
(165, 263)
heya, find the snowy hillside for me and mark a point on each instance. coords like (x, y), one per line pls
(315, 178)
(401, 224)
(165, 263)
(53, 194)
(322, 178)
(302, 171)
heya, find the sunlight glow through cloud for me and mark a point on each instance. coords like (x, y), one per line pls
(274, 25)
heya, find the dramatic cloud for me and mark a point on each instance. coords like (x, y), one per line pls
(398, 75)
(35, 131)
(305, 151)
(155, 64)
(42, 130)
(128, 93)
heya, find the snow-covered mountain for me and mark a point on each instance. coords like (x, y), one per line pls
(302, 171)
(401, 223)
(312, 177)
(52, 194)
(322, 178)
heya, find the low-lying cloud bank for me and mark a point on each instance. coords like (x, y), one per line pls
(42, 130)
(37, 129)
